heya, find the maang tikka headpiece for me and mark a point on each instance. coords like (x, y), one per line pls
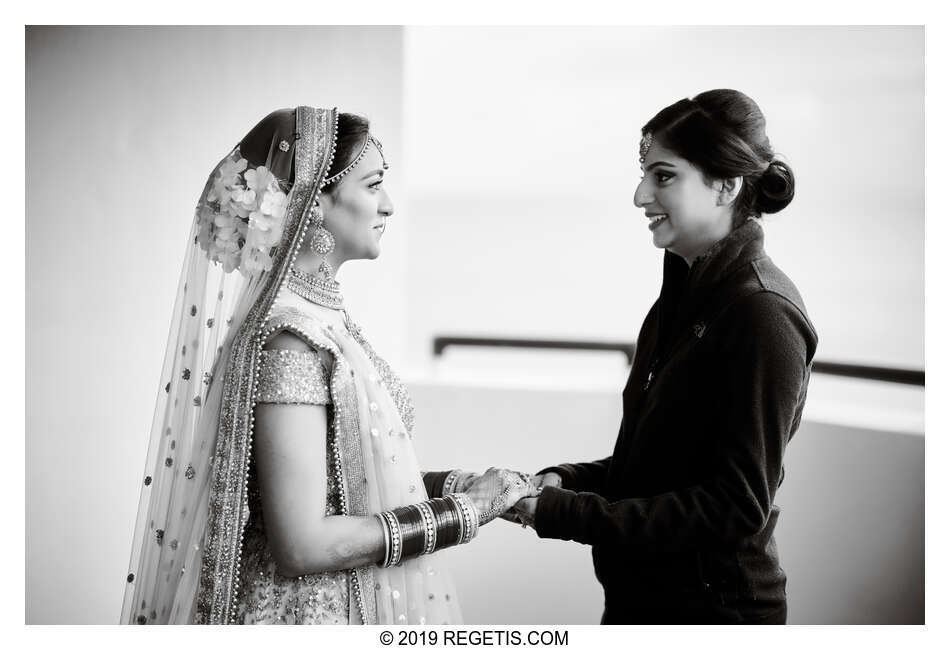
(346, 170)
(645, 143)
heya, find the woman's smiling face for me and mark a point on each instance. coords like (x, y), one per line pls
(356, 212)
(684, 208)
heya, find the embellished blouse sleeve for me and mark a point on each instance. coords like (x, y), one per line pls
(292, 377)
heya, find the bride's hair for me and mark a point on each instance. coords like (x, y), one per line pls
(722, 132)
(258, 146)
(351, 133)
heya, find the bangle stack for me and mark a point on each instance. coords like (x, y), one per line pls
(448, 487)
(469, 516)
(393, 539)
(423, 528)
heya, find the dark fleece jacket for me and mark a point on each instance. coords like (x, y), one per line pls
(681, 515)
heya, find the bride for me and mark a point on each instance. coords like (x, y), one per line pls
(282, 485)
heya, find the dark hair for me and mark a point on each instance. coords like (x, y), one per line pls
(351, 132)
(260, 145)
(722, 132)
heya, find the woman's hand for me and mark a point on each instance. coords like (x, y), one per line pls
(548, 478)
(525, 511)
(466, 479)
(529, 504)
(497, 490)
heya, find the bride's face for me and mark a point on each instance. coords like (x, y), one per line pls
(357, 211)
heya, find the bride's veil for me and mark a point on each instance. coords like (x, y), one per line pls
(217, 311)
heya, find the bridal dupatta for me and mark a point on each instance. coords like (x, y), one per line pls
(186, 551)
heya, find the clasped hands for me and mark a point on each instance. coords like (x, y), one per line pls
(513, 496)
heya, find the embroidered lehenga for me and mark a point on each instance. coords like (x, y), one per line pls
(200, 553)
(374, 414)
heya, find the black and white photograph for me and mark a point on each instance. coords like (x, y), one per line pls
(475, 326)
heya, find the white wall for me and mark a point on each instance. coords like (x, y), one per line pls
(123, 127)
(522, 145)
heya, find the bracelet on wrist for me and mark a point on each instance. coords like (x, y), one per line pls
(393, 537)
(426, 527)
(468, 514)
(448, 486)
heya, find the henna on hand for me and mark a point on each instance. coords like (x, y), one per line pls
(497, 490)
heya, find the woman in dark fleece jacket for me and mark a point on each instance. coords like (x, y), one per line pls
(681, 516)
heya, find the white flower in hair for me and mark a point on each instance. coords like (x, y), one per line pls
(254, 260)
(242, 202)
(258, 234)
(205, 215)
(274, 204)
(227, 249)
(231, 261)
(224, 221)
(226, 178)
(232, 167)
(242, 216)
(259, 180)
(263, 230)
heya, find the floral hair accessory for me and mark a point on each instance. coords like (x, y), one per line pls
(242, 216)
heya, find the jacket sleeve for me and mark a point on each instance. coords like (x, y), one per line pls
(582, 477)
(766, 357)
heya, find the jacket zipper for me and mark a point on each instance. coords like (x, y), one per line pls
(656, 365)
(650, 375)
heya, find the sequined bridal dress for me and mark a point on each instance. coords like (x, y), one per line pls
(416, 592)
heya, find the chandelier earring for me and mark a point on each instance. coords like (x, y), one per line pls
(322, 243)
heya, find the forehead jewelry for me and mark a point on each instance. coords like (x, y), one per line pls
(346, 170)
(645, 143)
(379, 147)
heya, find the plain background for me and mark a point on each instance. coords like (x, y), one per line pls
(513, 176)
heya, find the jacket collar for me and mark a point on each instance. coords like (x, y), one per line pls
(734, 251)
(687, 291)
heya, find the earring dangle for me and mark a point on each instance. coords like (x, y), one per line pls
(322, 243)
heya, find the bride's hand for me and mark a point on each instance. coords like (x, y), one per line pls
(497, 490)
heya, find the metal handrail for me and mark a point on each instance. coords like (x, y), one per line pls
(911, 377)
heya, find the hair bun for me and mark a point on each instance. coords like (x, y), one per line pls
(776, 187)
